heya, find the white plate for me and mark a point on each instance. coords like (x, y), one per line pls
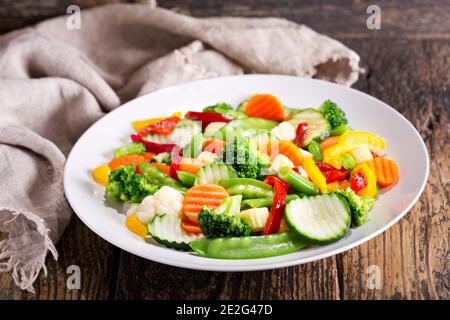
(364, 113)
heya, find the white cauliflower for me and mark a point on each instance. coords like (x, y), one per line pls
(165, 200)
(169, 201)
(207, 157)
(146, 210)
(305, 154)
(284, 131)
(281, 161)
(213, 127)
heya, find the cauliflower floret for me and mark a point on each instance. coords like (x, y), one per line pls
(305, 154)
(281, 161)
(207, 157)
(284, 131)
(132, 209)
(146, 210)
(169, 201)
(213, 127)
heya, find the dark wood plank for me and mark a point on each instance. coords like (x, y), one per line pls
(418, 18)
(78, 246)
(143, 279)
(413, 254)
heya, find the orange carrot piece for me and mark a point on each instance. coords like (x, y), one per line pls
(190, 165)
(201, 195)
(213, 145)
(265, 106)
(161, 166)
(148, 156)
(286, 148)
(328, 142)
(191, 228)
(126, 161)
(386, 171)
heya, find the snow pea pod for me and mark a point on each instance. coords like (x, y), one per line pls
(186, 178)
(248, 188)
(264, 202)
(297, 182)
(315, 150)
(156, 176)
(251, 247)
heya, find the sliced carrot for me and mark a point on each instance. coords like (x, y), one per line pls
(386, 171)
(265, 106)
(126, 161)
(287, 148)
(148, 156)
(161, 166)
(191, 228)
(213, 145)
(190, 165)
(328, 142)
(201, 195)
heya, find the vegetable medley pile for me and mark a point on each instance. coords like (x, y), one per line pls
(259, 181)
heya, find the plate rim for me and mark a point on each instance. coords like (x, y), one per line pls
(271, 265)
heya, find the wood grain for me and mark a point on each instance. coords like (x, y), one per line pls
(407, 65)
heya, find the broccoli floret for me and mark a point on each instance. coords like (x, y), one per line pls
(244, 158)
(163, 157)
(125, 185)
(225, 109)
(333, 113)
(359, 206)
(224, 221)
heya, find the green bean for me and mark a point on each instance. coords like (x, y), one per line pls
(186, 178)
(297, 182)
(249, 191)
(156, 176)
(348, 161)
(315, 150)
(129, 149)
(264, 202)
(227, 183)
(337, 131)
(252, 247)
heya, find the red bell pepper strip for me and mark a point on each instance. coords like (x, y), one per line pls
(176, 157)
(165, 126)
(300, 134)
(152, 146)
(276, 212)
(357, 181)
(330, 173)
(207, 117)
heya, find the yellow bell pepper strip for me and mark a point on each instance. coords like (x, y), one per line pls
(136, 226)
(348, 142)
(138, 125)
(101, 174)
(371, 189)
(315, 174)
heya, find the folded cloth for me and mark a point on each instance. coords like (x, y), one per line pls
(56, 81)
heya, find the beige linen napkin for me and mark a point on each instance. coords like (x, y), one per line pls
(55, 82)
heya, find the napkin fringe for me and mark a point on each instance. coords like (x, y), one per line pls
(18, 253)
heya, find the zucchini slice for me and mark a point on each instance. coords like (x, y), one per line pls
(213, 172)
(319, 127)
(319, 219)
(166, 230)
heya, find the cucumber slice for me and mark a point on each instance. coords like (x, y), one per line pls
(261, 137)
(182, 135)
(193, 149)
(213, 172)
(319, 219)
(166, 230)
(319, 127)
(246, 127)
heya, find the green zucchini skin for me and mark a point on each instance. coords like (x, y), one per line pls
(296, 227)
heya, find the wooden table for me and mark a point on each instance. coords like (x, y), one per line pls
(408, 67)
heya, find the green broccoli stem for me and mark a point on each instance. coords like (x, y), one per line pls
(230, 205)
(156, 176)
